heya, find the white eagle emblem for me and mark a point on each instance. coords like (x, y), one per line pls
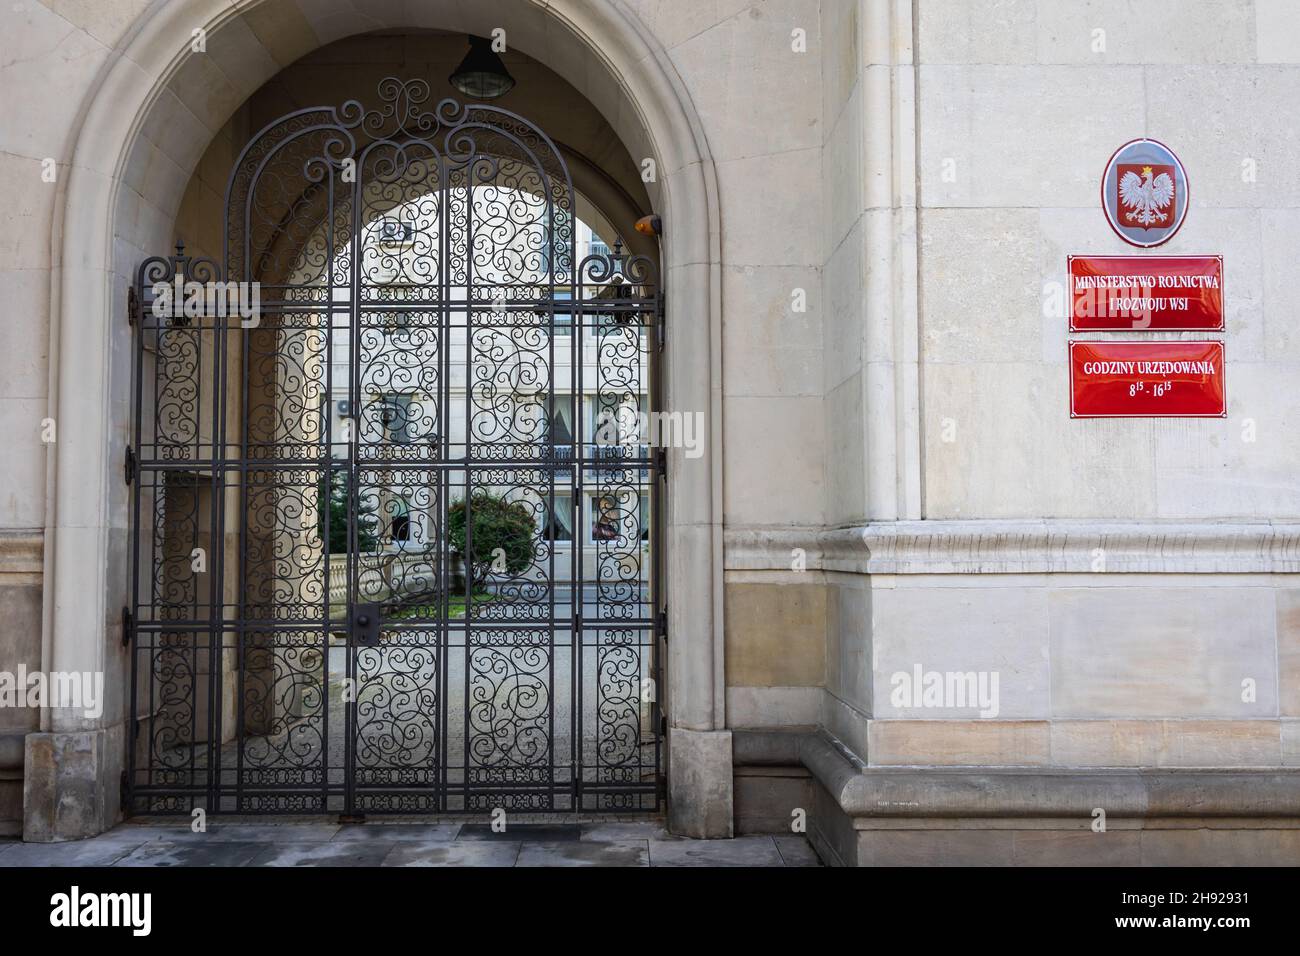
(1145, 196)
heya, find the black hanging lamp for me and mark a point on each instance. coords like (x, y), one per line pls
(481, 74)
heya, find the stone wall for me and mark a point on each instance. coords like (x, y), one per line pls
(1130, 582)
(899, 468)
(1017, 118)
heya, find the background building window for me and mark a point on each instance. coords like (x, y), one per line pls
(604, 518)
(394, 231)
(401, 521)
(395, 413)
(559, 523)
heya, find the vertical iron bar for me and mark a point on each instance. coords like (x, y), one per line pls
(352, 488)
(137, 440)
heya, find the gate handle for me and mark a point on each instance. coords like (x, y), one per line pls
(365, 624)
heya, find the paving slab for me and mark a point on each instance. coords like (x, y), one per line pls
(142, 833)
(522, 832)
(740, 851)
(271, 832)
(337, 853)
(192, 853)
(625, 831)
(399, 832)
(585, 853)
(93, 852)
(611, 843)
(796, 851)
(460, 853)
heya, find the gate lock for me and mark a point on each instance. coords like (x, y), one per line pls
(365, 624)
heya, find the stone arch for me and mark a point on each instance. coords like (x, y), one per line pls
(156, 91)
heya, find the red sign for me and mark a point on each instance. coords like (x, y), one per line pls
(1147, 380)
(1130, 293)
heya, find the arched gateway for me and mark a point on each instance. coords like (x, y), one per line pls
(393, 497)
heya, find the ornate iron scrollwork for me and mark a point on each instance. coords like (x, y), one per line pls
(385, 558)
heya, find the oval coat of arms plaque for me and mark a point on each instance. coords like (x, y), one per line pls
(1144, 193)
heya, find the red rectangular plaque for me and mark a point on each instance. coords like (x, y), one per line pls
(1146, 293)
(1147, 380)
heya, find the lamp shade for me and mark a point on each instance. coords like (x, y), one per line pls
(481, 74)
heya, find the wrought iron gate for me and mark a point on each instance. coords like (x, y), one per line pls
(395, 504)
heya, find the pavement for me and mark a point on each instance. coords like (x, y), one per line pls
(640, 843)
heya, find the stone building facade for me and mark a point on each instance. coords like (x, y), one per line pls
(867, 209)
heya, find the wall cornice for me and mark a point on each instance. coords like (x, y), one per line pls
(1024, 547)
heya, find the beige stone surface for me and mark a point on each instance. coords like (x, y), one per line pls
(980, 285)
(1156, 31)
(978, 31)
(848, 641)
(1146, 652)
(935, 848)
(1209, 847)
(675, 22)
(846, 465)
(1288, 652)
(1076, 848)
(105, 20)
(26, 211)
(774, 460)
(1244, 466)
(751, 80)
(953, 743)
(1238, 134)
(842, 328)
(51, 55)
(783, 229)
(1282, 226)
(282, 30)
(842, 167)
(1010, 429)
(20, 642)
(1276, 24)
(1064, 121)
(1166, 743)
(987, 631)
(776, 635)
(766, 798)
(24, 369)
(773, 706)
(1290, 743)
(22, 467)
(774, 350)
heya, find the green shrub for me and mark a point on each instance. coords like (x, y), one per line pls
(501, 529)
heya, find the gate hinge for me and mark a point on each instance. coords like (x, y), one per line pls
(661, 624)
(128, 624)
(130, 464)
(663, 726)
(132, 304)
(661, 462)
